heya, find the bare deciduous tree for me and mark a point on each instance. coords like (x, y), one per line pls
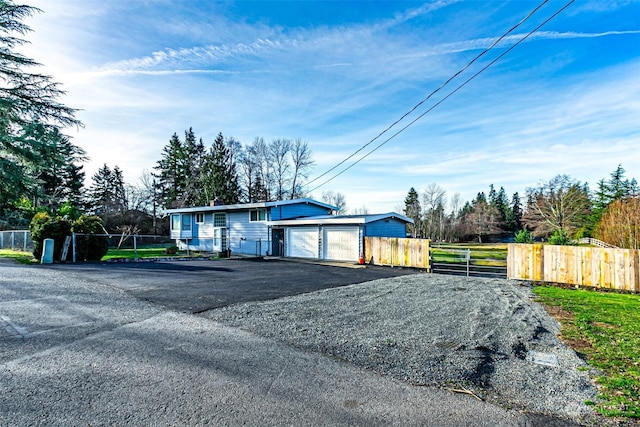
(336, 199)
(302, 163)
(560, 204)
(482, 220)
(433, 201)
(279, 150)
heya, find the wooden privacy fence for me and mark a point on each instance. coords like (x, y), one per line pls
(397, 252)
(610, 268)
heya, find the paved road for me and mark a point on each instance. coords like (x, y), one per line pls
(197, 286)
(75, 350)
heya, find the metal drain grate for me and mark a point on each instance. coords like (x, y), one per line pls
(545, 359)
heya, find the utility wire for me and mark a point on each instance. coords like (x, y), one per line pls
(498, 40)
(546, 21)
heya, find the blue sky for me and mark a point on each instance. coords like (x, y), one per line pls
(336, 74)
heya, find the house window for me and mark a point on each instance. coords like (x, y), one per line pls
(186, 222)
(175, 222)
(258, 215)
(199, 218)
(219, 220)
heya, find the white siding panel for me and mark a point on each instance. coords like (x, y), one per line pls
(302, 242)
(341, 243)
(246, 237)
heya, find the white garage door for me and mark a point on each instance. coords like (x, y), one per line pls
(341, 243)
(302, 242)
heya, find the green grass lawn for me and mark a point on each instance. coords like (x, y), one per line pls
(27, 257)
(19, 256)
(155, 252)
(606, 328)
(453, 253)
(130, 253)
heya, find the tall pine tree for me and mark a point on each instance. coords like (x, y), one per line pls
(170, 180)
(219, 175)
(28, 102)
(413, 210)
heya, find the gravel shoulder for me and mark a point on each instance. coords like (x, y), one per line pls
(434, 330)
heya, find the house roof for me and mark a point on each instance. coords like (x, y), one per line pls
(246, 206)
(342, 219)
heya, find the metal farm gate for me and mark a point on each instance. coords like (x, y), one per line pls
(473, 262)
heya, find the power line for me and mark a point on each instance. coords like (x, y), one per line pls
(436, 104)
(498, 40)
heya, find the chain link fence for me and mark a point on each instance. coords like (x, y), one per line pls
(17, 240)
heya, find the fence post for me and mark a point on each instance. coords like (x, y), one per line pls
(24, 242)
(467, 256)
(135, 246)
(13, 240)
(73, 246)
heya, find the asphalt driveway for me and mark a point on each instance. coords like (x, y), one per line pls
(105, 344)
(198, 286)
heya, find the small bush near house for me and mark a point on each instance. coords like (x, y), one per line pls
(560, 237)
(523, 236)
(171, 250)
(90, 248)
(43, 226)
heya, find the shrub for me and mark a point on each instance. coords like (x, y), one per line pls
(560, 237)
(43, 226)
(620, 224)
(523, 236)
(90, 247)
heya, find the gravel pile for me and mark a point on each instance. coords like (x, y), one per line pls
(435, 330)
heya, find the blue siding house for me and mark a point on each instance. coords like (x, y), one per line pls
(301, 228)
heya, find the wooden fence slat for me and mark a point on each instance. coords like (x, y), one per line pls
(397, 251)
(611, 268)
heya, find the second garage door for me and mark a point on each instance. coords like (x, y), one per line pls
(341, 243)
(302, 242)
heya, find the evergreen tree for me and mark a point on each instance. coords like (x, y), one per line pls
(219, 177)
(500, 202)
(28, 103)
(119, 195)
(257, 192)
(413, 210)
(107, 194)
(169, 179)
(480, 198)
(514, 222)
(609, 191)
(191, 164)
(493, 196)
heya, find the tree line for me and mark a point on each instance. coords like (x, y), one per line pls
(562, 210)
(190, 174)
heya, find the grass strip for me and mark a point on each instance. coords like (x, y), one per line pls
(156, 252)
(131, 254)
(605, 327)
(18, 256)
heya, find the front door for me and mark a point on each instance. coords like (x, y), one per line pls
(277, 242)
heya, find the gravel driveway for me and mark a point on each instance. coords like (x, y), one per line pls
(455, 332)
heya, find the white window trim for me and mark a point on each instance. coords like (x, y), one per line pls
(257, 211)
